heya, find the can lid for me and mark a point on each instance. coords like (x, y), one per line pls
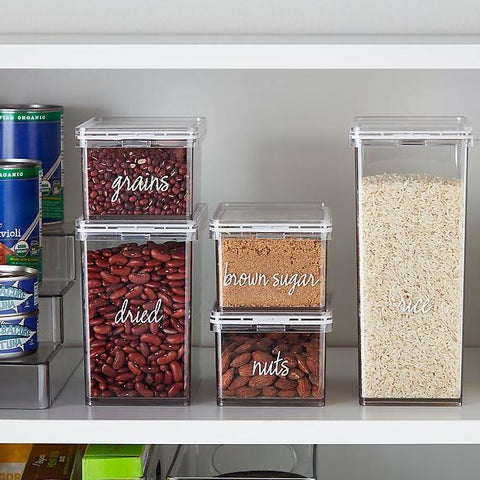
(32, 107)
(411, 130)
(294, 219)
(271, 321)
(140, 128)
(19, 163)
(186, 229)
(15, 273)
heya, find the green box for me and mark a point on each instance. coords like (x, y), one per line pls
(103, 462)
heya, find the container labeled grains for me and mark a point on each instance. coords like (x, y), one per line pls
(272, 462)
(140, 166)
(270, 359)
(271, 255)
(137, 292)
(411, 186)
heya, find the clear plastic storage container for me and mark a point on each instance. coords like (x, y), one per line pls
(270, 358)
(193, 462)
(140, 166)
(411, 188)
(271, 255)
(137, 298)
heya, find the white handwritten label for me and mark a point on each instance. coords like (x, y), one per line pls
(140, 184)
(411, 306)
(277, 367)
(277, 280)
(125, 315)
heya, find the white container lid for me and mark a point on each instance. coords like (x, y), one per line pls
(187, 229)
(270, 321)
(293, 219)
(116, 129)
(438, 130)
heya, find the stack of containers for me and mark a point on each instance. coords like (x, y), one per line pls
(137, 234)
(271, 314)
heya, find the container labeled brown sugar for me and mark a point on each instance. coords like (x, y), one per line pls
(271, 255)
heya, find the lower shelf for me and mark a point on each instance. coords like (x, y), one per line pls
(341, 421)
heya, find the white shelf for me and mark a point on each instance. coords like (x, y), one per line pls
(239, 52)
(342, 421)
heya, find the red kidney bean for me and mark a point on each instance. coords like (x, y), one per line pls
(128, 358)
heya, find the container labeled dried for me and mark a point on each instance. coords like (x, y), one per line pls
(411, 188)
(139, 166)
(137, 290)
(266, 359)
(271, 255)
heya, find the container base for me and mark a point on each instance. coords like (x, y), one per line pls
(271, 402)
(414, 402)
(137, 401)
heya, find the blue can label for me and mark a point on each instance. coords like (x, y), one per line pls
(18, 296)
(20, 215)
(37, 135)
(18, 334)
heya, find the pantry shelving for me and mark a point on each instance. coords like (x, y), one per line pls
(239, 52)
(342, 421)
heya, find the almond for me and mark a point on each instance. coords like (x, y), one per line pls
(291, 360)
(287, 393)
(313, 364)
(248, 392)
(241, 360)
(263, 357)
(269, 392)
(285, 384)
(246, 370)
(314, 380)
(262, 381)
(226, 358)
(302, 364)
(317, 391)
(227, 378)
(238, 382)
(282, 348)
(303, 387)
(231, 347)
(246, 346)
(295, 374)
(264, 345)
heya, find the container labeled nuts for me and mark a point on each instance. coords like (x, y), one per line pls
(270, 359)
(137, 290)
(139, 166)
(271, 255)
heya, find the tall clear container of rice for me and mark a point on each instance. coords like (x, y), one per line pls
(411, 197)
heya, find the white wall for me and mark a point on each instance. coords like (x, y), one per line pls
(272, 136)
(246, 16)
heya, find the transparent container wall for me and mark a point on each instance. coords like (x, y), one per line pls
(154, 182)
(50, 321)
(243, 461)
(266, 271)
(137, 320)
(270, 368)
(411, 237)
(58, 258)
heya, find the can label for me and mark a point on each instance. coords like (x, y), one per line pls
(38, 136)
(18, 334)
(20, 216)
(18, 296)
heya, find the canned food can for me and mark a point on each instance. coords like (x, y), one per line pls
(20, 213)
(18, 335)
(18, 290)
(36, 132)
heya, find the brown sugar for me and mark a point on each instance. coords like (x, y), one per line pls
(273, 272)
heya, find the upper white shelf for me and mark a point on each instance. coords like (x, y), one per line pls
(342, 421)
(239, 52)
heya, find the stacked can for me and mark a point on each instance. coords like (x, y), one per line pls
(138, 233)
(18, 310)
(271, 314)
